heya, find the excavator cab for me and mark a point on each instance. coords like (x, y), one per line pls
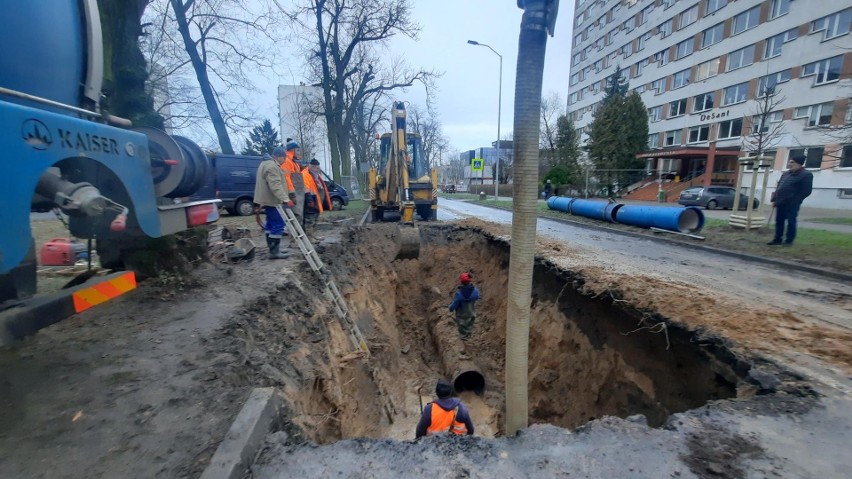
(403, 183)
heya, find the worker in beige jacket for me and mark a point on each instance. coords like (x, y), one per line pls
(271, 191)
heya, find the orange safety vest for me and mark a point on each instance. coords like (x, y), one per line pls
(290, 167)
(312, 187)
(442, 420)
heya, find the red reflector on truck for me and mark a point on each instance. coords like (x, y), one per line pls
(201, 214)
(103, 291)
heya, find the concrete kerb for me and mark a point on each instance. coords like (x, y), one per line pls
(237, 450)
(845, 277)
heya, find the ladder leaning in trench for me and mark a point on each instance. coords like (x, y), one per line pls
(317, 266)
(333, 294)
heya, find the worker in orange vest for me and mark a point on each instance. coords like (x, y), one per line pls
(445, 415)
(315, 193)
(293, 175)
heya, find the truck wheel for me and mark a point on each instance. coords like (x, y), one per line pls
(336, 204)
(244, 207)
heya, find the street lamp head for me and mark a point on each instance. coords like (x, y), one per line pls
(473, 42)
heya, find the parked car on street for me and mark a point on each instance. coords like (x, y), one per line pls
(449, 188)
(712, 197)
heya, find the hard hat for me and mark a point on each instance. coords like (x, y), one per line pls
(464, 278)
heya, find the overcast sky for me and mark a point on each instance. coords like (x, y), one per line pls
(467, 93)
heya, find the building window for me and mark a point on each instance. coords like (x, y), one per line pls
(610, 37)
(677, 108)
(846, 158)
(659, 86)
(575, 78)
(712, 35)
(741, 58)
(826, 71)
(684, 48)
(833, 25)
(707, 70)
(713, 5)
(662, 57)
(665, 28)
(767, 84)
(655, 113)
(673, 138)
(735, 94)
(653, 140)
(702, 102)
(778, 8)
(687, 17)
(629, 24)
(681, 79)
(774, 44)
(642, 41)
(644, 14)
(668, 3)
(744, 21)
(763, 123)
(816, 115)
(627, 49)
(699, 133)
(730, 129)
(813, 155)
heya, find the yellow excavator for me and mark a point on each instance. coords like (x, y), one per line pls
(403, 183)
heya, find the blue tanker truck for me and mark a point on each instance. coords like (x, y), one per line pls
(60, 149)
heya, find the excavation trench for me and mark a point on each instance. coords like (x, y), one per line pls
(589, 356)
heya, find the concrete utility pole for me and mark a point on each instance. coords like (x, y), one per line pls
(499, 115)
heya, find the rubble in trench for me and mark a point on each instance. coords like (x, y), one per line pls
(589, 356)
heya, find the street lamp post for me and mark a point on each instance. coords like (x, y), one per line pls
(499, 105)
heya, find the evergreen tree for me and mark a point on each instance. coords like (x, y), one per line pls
(567, 152)
(618, 132)
(616, 85)
(262, 139)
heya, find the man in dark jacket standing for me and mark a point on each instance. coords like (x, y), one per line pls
(463, 304)
(794, 186)
(445, 415)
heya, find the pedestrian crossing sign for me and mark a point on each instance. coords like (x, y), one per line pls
(477, 164)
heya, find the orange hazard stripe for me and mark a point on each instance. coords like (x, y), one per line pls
(103, 291)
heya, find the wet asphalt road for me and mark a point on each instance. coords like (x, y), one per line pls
(756, 282)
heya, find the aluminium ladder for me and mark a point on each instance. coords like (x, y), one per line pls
(331, 292)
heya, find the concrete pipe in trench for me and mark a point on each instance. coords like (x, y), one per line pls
(460, 368)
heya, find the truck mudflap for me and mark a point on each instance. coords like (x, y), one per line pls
(27, 317)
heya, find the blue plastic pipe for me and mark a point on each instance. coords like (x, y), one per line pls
(672, 218)
(560, 203)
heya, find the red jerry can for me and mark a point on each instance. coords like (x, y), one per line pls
(58, 252)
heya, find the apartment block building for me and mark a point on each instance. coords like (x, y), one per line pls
(701, 68)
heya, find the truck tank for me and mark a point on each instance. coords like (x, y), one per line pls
(59, 150)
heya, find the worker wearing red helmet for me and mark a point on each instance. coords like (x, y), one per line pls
(464, 305)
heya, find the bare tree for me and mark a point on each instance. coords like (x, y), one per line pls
(765, 132)
(365, 125)
(216, 43)
(428, 126)
(552, 108)
(348, 40)
(302, 123)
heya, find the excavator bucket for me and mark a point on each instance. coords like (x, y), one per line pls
(408, 237)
